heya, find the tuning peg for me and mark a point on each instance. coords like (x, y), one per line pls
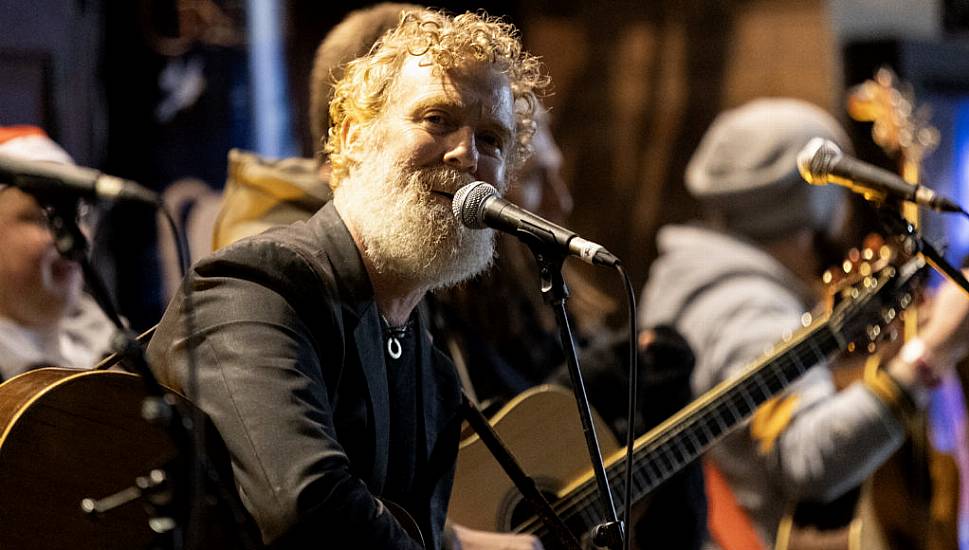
(873, 332)
(885, 252)
(889, 314)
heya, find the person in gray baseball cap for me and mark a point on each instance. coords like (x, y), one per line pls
(734, 284)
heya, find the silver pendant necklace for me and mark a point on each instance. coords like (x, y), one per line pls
(394, 335)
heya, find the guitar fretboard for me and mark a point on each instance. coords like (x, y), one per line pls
(671, 446)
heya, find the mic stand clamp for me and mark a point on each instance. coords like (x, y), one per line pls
(154, 489)
(914, 243)
(554, 292)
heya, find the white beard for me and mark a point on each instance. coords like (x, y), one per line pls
(406, 230)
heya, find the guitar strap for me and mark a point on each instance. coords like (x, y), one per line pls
(509, 464)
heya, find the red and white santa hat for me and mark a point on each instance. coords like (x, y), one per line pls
(31, 143)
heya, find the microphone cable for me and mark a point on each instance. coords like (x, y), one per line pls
(194, 426)
(200, 471)
(631, 410)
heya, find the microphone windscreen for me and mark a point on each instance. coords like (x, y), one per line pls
(468, 203)
(816, 159)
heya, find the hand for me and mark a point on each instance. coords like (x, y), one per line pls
(946, 330)
(471, 539)
(942, 341)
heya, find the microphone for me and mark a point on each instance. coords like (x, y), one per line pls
(51, 179)
(477, 206)
(821, 162)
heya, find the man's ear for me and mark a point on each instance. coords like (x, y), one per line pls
(351, 135)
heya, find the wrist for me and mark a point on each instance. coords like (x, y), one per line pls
(904, 401)
(920, 363)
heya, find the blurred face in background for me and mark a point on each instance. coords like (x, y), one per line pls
(540, 187)
(37, 286)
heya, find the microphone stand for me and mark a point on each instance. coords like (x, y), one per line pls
(156, 488)
(610, 533)
(915, 243)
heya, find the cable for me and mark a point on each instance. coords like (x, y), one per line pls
(181, 244)
(631, 420)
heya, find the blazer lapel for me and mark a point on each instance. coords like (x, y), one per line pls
(439, 388)
(356, 294)
(372, 362)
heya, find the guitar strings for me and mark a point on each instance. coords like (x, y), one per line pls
(822, 331)
(587, 493)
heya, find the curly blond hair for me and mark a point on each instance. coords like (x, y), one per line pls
(351, 38)
(450, 42)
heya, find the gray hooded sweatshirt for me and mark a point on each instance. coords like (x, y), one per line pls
(733, 302)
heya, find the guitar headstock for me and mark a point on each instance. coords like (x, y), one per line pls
(898, 127)
(864, 310)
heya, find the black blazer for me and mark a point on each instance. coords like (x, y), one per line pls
(288, 345)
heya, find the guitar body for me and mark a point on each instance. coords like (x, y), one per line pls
(69, 435)
(543, 430)
(914, 496)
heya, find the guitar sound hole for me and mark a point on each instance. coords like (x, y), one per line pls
(516, 510)
(522, 511)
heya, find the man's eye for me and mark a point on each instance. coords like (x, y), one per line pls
(435, 119)
(35, 217)
(491, 140)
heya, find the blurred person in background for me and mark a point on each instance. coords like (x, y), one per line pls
(734, 284)
(46, 319)
(261, 193)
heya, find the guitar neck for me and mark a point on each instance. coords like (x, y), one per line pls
(668, 448)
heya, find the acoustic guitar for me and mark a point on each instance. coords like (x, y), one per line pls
(542, 429)
(67, 435)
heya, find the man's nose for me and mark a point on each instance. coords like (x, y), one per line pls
(462, 153)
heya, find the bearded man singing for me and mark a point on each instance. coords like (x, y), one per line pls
(312, 360)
